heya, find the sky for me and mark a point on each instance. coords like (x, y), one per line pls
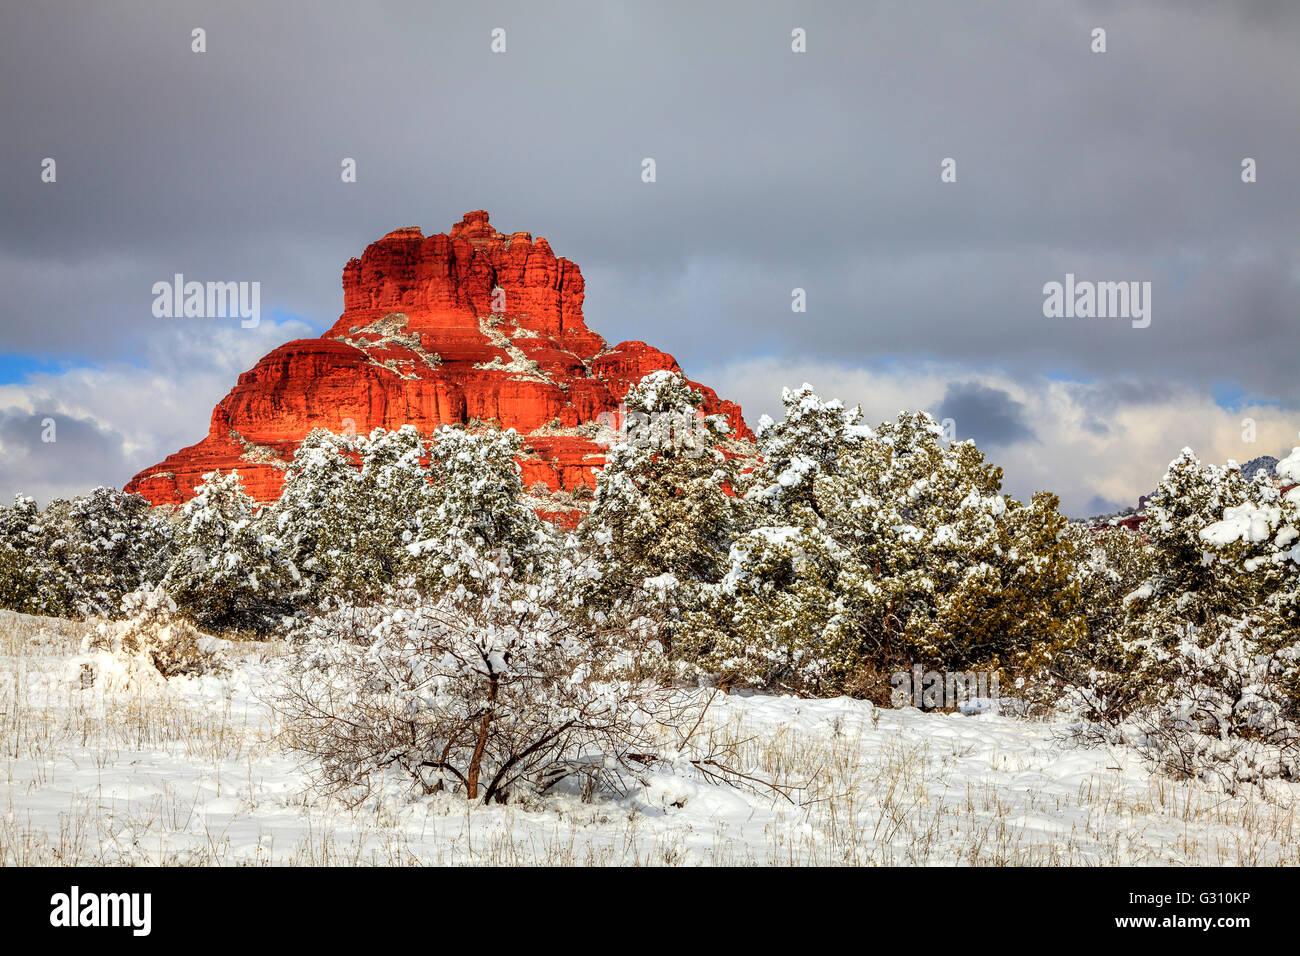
(775, 170)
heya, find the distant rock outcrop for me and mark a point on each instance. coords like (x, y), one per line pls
(471, 325)
(1264, 463)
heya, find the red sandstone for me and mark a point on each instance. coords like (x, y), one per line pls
(473, 325)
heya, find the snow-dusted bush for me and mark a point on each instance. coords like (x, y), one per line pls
(151, 632)
(228, 572)
(876, 549)
(360, 512)
(1203, 670)
(1226, 710)
(487, 692)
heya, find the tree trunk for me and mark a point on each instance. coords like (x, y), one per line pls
(476, 761)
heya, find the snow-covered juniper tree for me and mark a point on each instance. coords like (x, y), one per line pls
(476, 510)
(880, 549)
(1208, 649)
(349, 509)
(228, 572)
(1181, 594)
(811, 440)
(359, 513)
(782, 569)
(80, 557)
(28, 583)
(666, 504)
(1109, 564)
(106, 544)
(320, 518)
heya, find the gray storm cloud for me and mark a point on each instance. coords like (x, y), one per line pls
(988, 415)
(775, 170)
(39, 446)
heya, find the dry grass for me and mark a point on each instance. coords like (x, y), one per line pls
(213, 788)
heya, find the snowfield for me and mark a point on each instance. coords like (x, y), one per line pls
(136, 770)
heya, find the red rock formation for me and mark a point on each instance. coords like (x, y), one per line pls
(471, 325)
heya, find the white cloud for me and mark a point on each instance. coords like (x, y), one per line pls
(1095, 442)
(153, 408)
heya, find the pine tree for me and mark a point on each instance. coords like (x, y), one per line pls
(881, 549)
(228, 572)
(103, 546)
(666, 505)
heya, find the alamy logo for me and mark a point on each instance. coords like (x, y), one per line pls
(132, 910)
(686, 432)
(1098, 300)
(208, 300)
(930, 689)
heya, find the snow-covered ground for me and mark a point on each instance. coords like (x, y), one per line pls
(188, 771)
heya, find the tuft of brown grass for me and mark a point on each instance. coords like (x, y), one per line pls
(864, 791)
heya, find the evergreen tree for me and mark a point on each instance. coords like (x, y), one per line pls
(358, 514)
(475, 510)
(882, 549)
(1185, 594)
(28, 583)
(1204, 668)
(103, 546)
(1109, 563)
(666, 505)
(348, 509)
(228, 572)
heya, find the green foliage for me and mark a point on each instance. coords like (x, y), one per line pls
(80, 557)
(228, 573)
(880, 549)
(1109, 563)
(665, 508)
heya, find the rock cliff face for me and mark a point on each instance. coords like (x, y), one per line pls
(469, 326)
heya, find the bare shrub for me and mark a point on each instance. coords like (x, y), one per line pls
(1222, 710)
(151, 631)
(508, 688)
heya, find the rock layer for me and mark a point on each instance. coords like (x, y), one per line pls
(464, 327)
